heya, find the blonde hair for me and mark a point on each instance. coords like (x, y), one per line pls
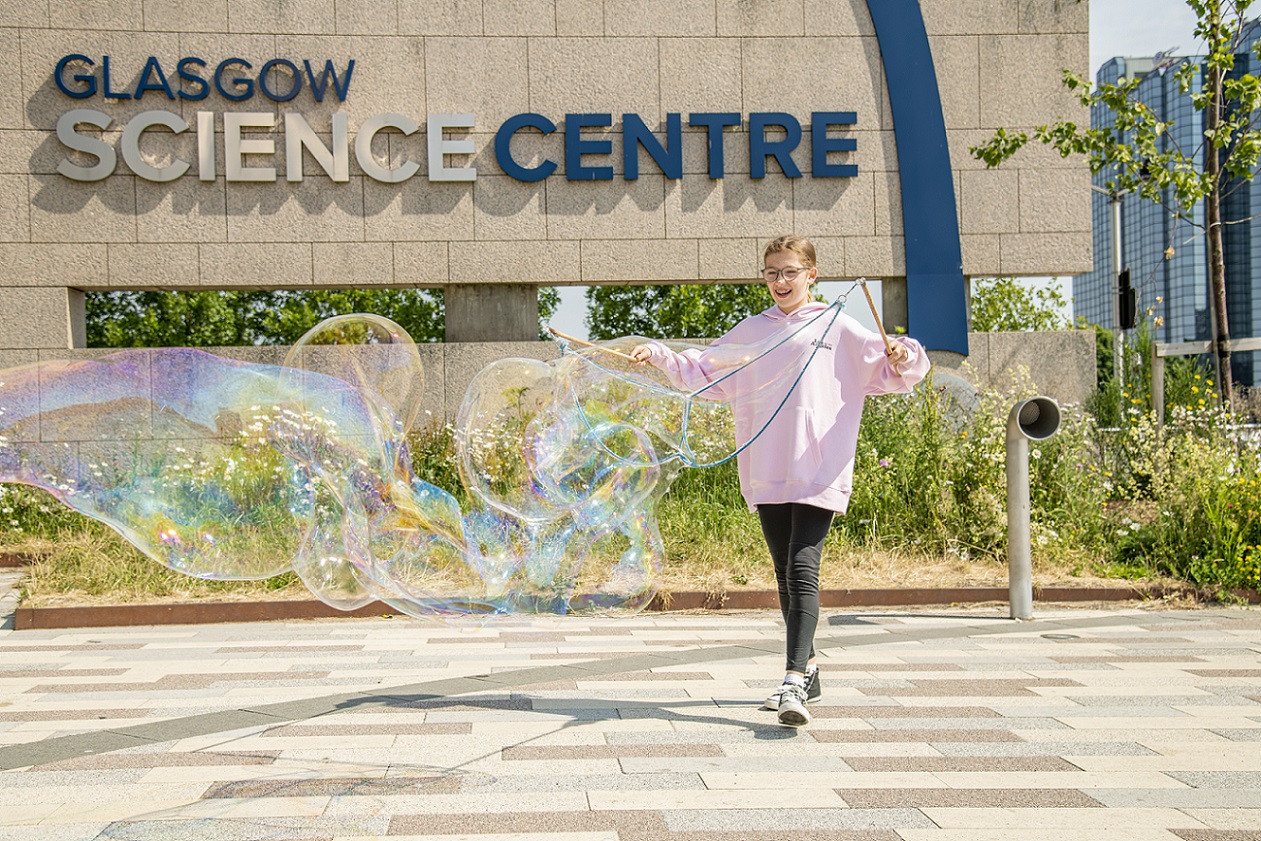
(800, 246)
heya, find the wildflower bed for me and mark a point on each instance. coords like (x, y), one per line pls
(1135, 502)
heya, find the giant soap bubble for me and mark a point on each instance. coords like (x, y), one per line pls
(223, 469)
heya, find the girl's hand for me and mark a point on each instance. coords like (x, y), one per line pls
(641, 353)
(897, 353)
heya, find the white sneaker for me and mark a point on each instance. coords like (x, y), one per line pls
(792, 705)
(814, 691)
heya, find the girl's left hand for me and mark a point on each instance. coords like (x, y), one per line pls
(897, 353)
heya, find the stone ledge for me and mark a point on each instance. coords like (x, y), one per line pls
(35, 618)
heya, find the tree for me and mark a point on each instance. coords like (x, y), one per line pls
(418, 311)
(1138, 154)
(208, 319)
(1002, 304)
(170, 319)
(685, 311)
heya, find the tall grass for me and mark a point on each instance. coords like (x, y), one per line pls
(929, 502)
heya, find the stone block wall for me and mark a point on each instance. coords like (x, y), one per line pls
(998, 64)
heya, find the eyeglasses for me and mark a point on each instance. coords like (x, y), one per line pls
(789, 273)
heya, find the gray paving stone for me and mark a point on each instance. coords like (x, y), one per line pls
(1219, 779)
(1194, 798)
(744, 820)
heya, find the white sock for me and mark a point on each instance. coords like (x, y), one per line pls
(795, 679)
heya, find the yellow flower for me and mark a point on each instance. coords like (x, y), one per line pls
(1195, 389)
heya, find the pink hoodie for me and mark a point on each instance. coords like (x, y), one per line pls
(806, 452)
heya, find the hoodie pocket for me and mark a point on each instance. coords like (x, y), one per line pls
(788, 451)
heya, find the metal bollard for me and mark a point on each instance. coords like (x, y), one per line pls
(1035, 419)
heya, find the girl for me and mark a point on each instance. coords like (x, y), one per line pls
(797, 472)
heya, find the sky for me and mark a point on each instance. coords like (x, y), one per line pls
(1117, 28)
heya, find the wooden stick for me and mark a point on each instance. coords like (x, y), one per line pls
(888, 348)
(576, 341)
(862, 281)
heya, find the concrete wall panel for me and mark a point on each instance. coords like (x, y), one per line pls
(93, 14)
(483, 76)
(148, 266)
(702, 74)
(740, 208)
(845, 74)
(580, 17)
(518, 262)
(81, 265)
(62, 211)
(186, 210)
(256, 265)
(15, 223)
(981, 255)
(580, 210)
(419, 210)
(282, 16)
(39, 317)
(970, 17)
(636, 261)
(989, 200)
(1022, 253)
(668, 18)
(315, 210)
(518, 17)
(1038, 16)
(342, 264)
(838, 17)
(1017, 88)
(836, 207)
(441, 17)
(505, 208)
(1053, 201)
(423, 264)
(19, 13)
(182, 16)
(730, 258)
(957, 61)
(764, 19)
(594, 75)
(12, 115)
(875, 257)
(366, 17)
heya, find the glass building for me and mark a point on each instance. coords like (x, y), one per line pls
(1175, 285)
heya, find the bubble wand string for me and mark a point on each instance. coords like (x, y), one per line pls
(561, 335)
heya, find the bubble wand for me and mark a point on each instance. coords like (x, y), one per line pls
(888, 347)
(584, 343)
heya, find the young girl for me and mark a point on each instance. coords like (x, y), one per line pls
(798, 471)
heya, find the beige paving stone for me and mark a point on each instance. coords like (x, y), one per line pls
(1096, 820)
(772, 798)
(1235, 756)
(818, 780)
(1227, 819)
(1036, 834)
(1055, 779)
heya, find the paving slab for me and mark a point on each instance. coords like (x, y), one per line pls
(935, 724)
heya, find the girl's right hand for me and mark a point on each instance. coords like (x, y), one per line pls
(641, 354)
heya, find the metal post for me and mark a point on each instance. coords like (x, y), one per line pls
(1035, 419)
(1158, 385)
(1118, 337)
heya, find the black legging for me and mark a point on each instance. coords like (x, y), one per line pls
(795, 533)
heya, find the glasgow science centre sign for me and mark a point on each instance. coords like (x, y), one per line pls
(232, 80)
(936, 304)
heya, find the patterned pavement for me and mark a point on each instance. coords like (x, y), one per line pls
(948, 724)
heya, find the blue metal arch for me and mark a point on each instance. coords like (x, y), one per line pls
(936, 302)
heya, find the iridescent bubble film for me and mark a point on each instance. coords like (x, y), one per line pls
(224, 469)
